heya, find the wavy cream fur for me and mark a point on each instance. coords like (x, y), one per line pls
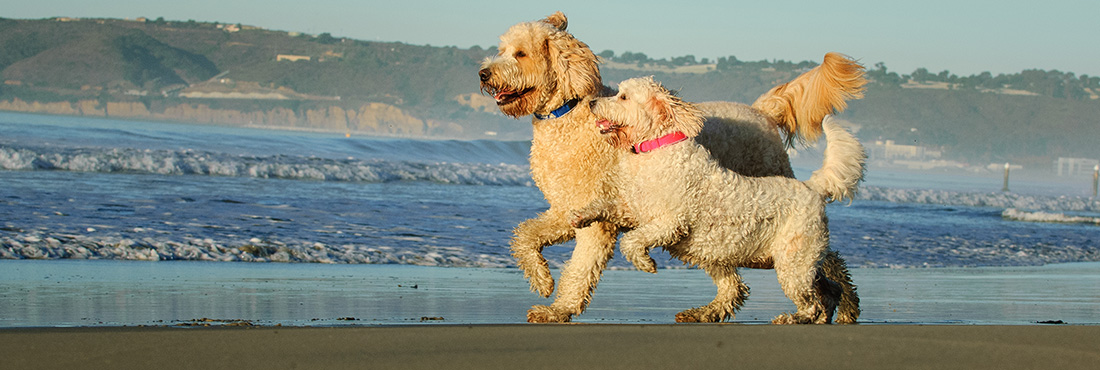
(799, 106)
(679, 198)
(539, 67)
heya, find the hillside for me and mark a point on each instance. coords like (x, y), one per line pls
(241, 75)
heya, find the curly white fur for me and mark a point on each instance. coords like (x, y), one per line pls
(677, 197)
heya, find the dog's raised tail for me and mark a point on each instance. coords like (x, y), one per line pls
(842, 169)
(798, 106)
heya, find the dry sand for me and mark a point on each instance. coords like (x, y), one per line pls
(557, 346)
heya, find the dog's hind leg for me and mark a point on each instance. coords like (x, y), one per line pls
(530, 238)
(797, 256)
(595, 246)
(732, 293)
(803, 291)
(835, 269)
(827, 297)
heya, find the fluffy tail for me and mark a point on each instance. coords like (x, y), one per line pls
(799, 106)
(843, 166)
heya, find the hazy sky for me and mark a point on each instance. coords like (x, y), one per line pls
(962, 36)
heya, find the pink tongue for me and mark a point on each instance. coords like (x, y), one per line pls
(603, 124)
(500, 95)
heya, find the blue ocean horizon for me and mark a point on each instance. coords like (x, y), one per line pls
(79, 188)
(113, 223)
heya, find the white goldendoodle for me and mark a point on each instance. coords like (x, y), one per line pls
(543, 71)
(672, 194)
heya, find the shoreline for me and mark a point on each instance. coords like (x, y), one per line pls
(558, 346)
(414, 317)
(71, 293)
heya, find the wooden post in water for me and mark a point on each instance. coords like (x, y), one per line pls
(1095, 179)
(1006, 178)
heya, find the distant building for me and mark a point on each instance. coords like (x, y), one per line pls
(229, 28)
(1075, 166)
(887, 150)
(291, 58)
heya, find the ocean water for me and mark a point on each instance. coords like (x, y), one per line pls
(76, 188)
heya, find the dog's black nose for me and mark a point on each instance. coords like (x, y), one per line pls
(484, 74)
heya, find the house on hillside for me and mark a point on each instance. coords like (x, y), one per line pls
(291, 58)
(229, 28)
(886, 150)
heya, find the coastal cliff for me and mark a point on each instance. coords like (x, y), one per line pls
(368, 118)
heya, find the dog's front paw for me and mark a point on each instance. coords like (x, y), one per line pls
(645, 263)
(542, 281)
(639, 257)
(535, 270)
(701, 314)
(547, 314)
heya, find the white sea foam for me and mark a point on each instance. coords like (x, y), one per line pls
(1039, 216)
(190, 162)
(36, 245)
(1003, 200)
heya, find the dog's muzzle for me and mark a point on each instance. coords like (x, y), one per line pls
(606, 126)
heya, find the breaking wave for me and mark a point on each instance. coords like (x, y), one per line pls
(1039, 216)
(426, 167)
(1003, 200)
(36, 245)
(192, 162)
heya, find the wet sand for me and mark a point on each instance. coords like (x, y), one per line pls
(577, 346)
(153, 315)
(66, 293)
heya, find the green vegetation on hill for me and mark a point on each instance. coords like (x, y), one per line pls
(1030, 117)
(161, 69)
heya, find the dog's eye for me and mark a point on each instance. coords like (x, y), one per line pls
(622, 97)
(520, 54)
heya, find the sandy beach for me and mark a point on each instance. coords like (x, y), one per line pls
(557, 346)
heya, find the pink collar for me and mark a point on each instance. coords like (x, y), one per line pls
(654, 144)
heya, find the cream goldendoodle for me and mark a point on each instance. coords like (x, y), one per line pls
(674, 195)
(543, 71)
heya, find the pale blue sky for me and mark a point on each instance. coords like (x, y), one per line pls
(962, 36)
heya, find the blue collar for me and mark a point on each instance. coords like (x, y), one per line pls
(561, 111)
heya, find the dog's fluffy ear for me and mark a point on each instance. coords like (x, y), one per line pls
(557, 20)
(574, 65)
(675, 113)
